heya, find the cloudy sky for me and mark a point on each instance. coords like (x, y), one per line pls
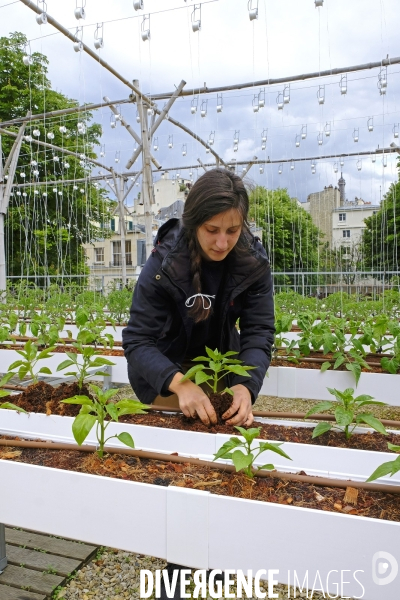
(289, 38)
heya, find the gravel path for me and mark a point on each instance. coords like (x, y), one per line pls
(114, 575)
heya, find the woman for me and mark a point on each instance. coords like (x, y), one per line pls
(204, 273)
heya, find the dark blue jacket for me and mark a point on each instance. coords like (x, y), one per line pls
(159, 329)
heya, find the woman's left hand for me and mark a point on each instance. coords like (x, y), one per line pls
(241, 405)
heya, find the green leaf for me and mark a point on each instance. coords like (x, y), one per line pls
(321, 428)
(6, 379)
(339, 361)
(325, 366)
(126, 439)
(393, 447)
(241, 461)
(192, 372)
(249, 434)
(355, 369)
(72, 356)
(386, 468)
(11, 406)
(365, 399)
(269, 467)
(392, 365)
(46, 353)
(343, 416)
(201, 377)
(238, 370)
(78, 400)
(81, 427)
(4, 393)
(232, 443)
(112, 411)
(206, 358)
(131, 407)
(320, 407)
(99, 361)
(264, 446)
(372, 422)
(211, 354)
(45, 370)
(15, 365)
(65, 364)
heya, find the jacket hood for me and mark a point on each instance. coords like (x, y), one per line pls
(244, 266)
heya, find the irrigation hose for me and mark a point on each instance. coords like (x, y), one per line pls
(277, 415)
(318, 481)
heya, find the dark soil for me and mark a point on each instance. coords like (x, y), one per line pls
(302, 435)
(376, 505)
(221, 403)
(44, 398)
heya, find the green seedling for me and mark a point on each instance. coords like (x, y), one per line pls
(96, 410)
(388, 468)
(219, 365)
(244, 459)
(346, 416)
(31, 356)
(89, 360)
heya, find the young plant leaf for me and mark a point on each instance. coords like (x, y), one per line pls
(81, 427)
(241, 461)
(126, 439)
(372, 422)
(320, 407)
(321, 428)
(388, 468)
(11, 406)
(325, 366)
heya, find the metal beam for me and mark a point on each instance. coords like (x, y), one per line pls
(163, 115)
(385, 62)
(248, 167)
(65, 111)
(58, 148)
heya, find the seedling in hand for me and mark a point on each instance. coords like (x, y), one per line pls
(95, 410)
(346, 413)
(244, 459)
(219, 365)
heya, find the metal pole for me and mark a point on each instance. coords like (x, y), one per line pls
(5, 192)
(122, 225)
(3, 556)
(147, 179)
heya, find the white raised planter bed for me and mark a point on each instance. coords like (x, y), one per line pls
(201, 530)
(292, 382)
(323, 461)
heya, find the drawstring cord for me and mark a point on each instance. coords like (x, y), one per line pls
(192, 299)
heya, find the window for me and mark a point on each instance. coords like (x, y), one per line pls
(116, 254)
(128, 252)
(130, 225)
(99, 255)
(342, 217)
(346, 233)
(112, 224)
(141, 252)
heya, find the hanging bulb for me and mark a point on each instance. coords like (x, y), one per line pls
(33, 163)
(261, 170)
(36, 132)
(62, 129)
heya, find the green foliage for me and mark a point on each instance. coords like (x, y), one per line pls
(219, 365)
(100, 410)
(289, 235)
(244, 458)
(388, 468)
(30, 357)
(55, 232)
(346, 413)
(381, 238)
(119, 303)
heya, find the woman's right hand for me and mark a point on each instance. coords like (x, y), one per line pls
(192, 400)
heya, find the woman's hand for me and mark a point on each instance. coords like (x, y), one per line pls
(242, 405)
(192, 400)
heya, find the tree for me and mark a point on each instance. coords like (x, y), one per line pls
(292, 241)
(381, 237)
(46, 226)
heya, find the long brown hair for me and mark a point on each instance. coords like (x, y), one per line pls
(215, 192)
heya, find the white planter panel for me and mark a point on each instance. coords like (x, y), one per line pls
(74, 505)
(323, 461)
(245, 534)
(146, 519)
(312, 384)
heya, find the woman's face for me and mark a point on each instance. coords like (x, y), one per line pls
(219, 235)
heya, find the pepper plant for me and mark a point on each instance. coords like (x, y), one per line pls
(244, 459)
(89, 359)
(100, 410)
(346, 416)
(30, 357)
(388, 468)
(219, 365)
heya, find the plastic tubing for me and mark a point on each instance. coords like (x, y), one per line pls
(319, 481)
